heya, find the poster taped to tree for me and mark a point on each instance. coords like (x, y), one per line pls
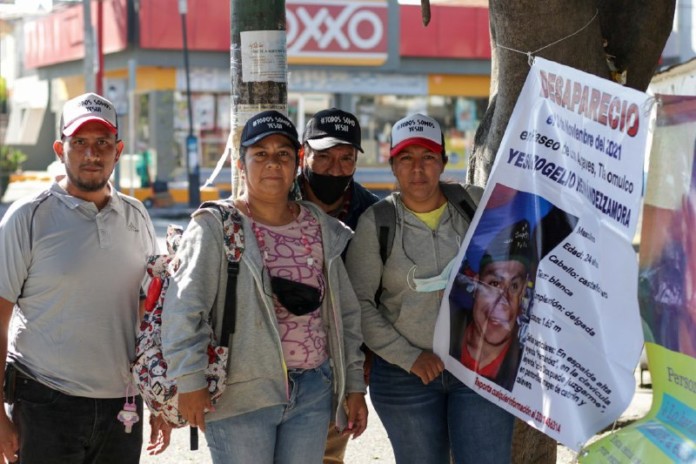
(540, 314)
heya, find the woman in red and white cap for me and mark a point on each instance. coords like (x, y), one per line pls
(429, 415)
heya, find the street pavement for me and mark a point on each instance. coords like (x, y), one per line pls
(372, 446)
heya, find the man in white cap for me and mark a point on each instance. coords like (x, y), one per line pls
(74, 259)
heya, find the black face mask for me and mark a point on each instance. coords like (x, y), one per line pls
(296, 297)
(328, 189)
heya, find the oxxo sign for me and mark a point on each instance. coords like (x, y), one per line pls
(349, 32)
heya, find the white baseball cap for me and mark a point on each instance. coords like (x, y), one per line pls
(417, 129)
(87, 107)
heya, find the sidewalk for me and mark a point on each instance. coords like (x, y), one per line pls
(373, 445)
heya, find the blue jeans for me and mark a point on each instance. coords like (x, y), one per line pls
(292, 433)
(55, 428)
(426, 423)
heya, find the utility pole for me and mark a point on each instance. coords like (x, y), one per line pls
(100, 48)
(192, 162)
(259, 65)
(90, 78)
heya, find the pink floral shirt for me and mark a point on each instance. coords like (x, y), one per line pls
(294, 251)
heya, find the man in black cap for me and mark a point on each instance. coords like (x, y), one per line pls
(490, 344)
(331, 142)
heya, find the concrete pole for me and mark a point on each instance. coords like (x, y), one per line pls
(90, 78)
(192, 152)
(99, 46)
(132, 133)
(685, 31)
(258, 66)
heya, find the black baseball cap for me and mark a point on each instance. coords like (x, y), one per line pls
(512, 243)
(267, 123)
(332, 127)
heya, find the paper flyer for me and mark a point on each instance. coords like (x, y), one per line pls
(541, 316)
(264, 57)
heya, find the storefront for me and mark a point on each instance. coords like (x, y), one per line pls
(370, 57)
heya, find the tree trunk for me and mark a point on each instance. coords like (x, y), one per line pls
(248, 98)
(635, 32)
(531, 446)
(632, 32)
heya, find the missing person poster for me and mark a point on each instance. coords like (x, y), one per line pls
(540, 315)
(667, 297)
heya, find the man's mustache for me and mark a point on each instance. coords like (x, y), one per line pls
(95, 164)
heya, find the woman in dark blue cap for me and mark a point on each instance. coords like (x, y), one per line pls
(295, 355)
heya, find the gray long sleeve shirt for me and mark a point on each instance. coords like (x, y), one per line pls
(401, 326)
(257, 377)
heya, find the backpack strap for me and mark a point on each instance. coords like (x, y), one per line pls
(229, 320)
(462, 198)
(234, 246)
(385, 221)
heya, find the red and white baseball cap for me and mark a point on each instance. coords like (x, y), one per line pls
(85, 108)
(417, 129)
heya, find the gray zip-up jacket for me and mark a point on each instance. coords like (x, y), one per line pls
(257, 376)
(401, 327)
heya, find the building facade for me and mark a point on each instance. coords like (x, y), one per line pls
(371, 57)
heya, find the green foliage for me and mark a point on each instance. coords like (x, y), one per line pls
(11, 159)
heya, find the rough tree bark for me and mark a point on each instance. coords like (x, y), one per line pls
(633, 32)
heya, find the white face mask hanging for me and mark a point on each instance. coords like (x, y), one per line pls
(430, 284)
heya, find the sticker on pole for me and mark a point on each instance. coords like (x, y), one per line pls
(264, 56)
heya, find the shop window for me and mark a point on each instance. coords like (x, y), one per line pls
(458, 116)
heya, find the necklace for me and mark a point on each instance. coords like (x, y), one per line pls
(258, 233)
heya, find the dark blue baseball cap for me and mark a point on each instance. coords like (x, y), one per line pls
(268, 123)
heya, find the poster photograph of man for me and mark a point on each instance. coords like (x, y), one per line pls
(492, 293)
